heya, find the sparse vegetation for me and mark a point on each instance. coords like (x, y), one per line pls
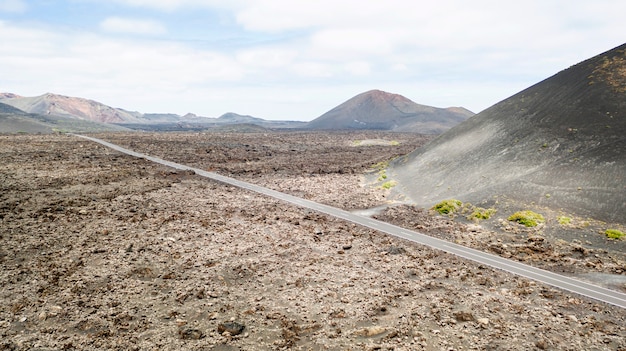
(563, 220)
(527, 218)
(380, 166)
(482, 213)
(382, 169)
(614, 234)
(389, 184)
(447, 206)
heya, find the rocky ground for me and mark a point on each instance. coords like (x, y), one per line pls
(104, 251)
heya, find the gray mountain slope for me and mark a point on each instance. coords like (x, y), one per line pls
(560, 143)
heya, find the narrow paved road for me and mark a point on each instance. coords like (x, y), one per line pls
(560, 281)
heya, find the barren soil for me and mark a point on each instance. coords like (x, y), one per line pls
(104, 251)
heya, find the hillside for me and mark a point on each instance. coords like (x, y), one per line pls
(64, 108)
(379, 110)
(559, 144)
(14, 120)
(69, 107)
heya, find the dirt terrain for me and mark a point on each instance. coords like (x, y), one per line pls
(105, 251)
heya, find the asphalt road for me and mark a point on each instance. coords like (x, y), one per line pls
(556, 280)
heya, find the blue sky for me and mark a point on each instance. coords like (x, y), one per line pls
(278, 59)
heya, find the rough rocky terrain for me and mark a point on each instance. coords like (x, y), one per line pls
(104, 251)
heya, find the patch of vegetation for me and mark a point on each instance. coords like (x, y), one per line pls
(564, 220)
(527, 218)
(381, 166)
(394, 143)
(447, 206)
(382, 170)
(614, 234)
(389, 184)
(482, 213)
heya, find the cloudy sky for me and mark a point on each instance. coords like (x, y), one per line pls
(280, 59)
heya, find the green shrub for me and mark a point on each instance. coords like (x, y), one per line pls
(447, 206)
(389, 184)
(380, 166)
(614, 234)
(564, 220)
(482, 213)
(527, 218)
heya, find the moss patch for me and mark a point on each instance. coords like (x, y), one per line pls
(527, 218)
(482, 213)
(388, 185)
(564, 220)
(447, 206)
(614, 234)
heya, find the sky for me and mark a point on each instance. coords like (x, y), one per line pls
(295, 60)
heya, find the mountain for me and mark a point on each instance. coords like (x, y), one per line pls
(379, 110)
(70, 107)
(14, 120)
(231, 117)
(560, 144)
(66, 109)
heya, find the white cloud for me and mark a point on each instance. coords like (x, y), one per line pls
(172, 5)
(358, 68)
(447, 52)
(13, 6)
(352, 43)
(312, 69)
(267, 57)
(81, 64)
(132, 25)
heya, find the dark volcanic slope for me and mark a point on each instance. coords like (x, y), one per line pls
(378, 110)
(560, 144)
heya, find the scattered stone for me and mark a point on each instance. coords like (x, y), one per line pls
(370, 331)
(464, 316)
(542, 344)
(395, 250)
(483, 321)
(190, 334)
(233, 328)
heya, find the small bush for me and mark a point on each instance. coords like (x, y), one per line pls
(614, 234)
(564, 220)
(389, 184)
(380, 166)
(482, 213)
(447, 206)
(527, 218)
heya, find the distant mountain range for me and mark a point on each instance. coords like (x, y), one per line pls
(379, 110)
(71, 107)
(559, 144)
(44, 113)
(372, 110)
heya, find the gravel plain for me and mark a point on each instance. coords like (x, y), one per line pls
(105, 251)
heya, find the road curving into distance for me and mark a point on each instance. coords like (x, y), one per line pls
(556, 280)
